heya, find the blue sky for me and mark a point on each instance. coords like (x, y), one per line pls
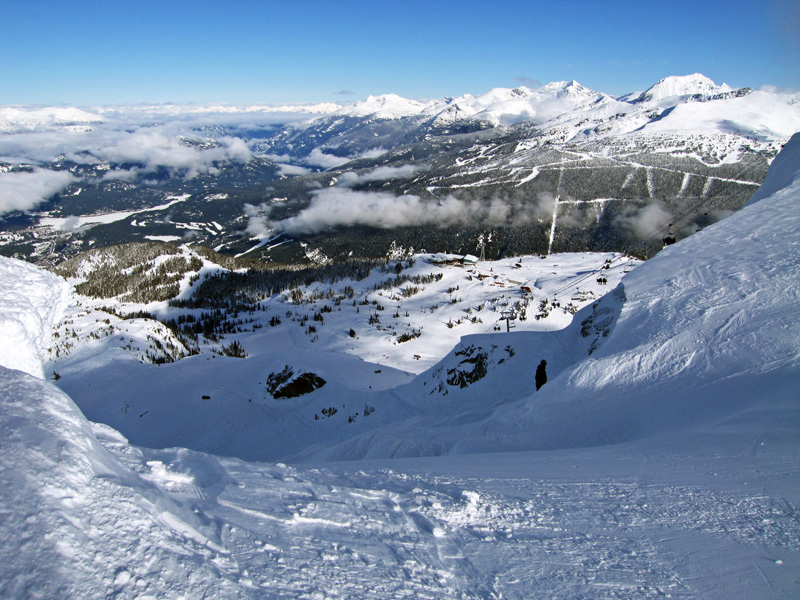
(130, 51)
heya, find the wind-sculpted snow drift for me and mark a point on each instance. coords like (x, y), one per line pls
(75, 522)
(32, 301)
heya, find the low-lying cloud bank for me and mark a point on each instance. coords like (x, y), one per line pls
(340, 206)
(22, 190)
(187, 140)
(349, 178)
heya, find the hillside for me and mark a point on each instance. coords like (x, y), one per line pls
(689, 347)
(660, 458)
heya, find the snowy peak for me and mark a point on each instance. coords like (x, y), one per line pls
(385, 106)
(679, 86)
(569, 89)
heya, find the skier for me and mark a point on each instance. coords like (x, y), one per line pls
(541, 374)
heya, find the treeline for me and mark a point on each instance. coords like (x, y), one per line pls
(240, 291)
(143, 272)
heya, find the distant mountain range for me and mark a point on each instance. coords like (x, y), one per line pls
(558, 168)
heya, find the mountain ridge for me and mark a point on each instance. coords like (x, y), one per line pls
(510, 152)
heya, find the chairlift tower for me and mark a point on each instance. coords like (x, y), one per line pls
(669, 238)
(508, 316)
(482, 248)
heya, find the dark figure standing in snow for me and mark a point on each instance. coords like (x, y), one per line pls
(541, 374)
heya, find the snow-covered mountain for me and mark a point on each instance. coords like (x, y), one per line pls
(507, 106)
(679, 87)
(503, 106)
(385, 106)
(670, 419)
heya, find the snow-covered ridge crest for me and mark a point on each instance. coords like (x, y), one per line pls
(386, 106)
(32, 302)
(15, 119)
(784, 174)
(508, 106)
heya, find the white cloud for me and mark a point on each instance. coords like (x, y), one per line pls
(258, 225)
(24, 190)
(318, 158)
(291, 170)
(341, 206)
(643, 222)
(70, 224)
(150, 137)
(372, 153)
(349, 178)
(718, 214)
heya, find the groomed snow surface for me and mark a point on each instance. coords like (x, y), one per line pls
(666, 463)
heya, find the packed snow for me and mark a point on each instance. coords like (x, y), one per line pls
(661, 458)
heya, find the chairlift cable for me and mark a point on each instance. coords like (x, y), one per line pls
(690, 208)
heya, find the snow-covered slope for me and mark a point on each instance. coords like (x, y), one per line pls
(707, 335)
(693, 373)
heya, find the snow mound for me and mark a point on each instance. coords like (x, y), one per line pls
(78, 524)
(33, 301)
(75, 521)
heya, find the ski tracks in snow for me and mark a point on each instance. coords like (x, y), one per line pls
(311, 535)
(320, 533)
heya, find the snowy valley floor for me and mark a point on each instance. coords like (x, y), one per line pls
(708, 515)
